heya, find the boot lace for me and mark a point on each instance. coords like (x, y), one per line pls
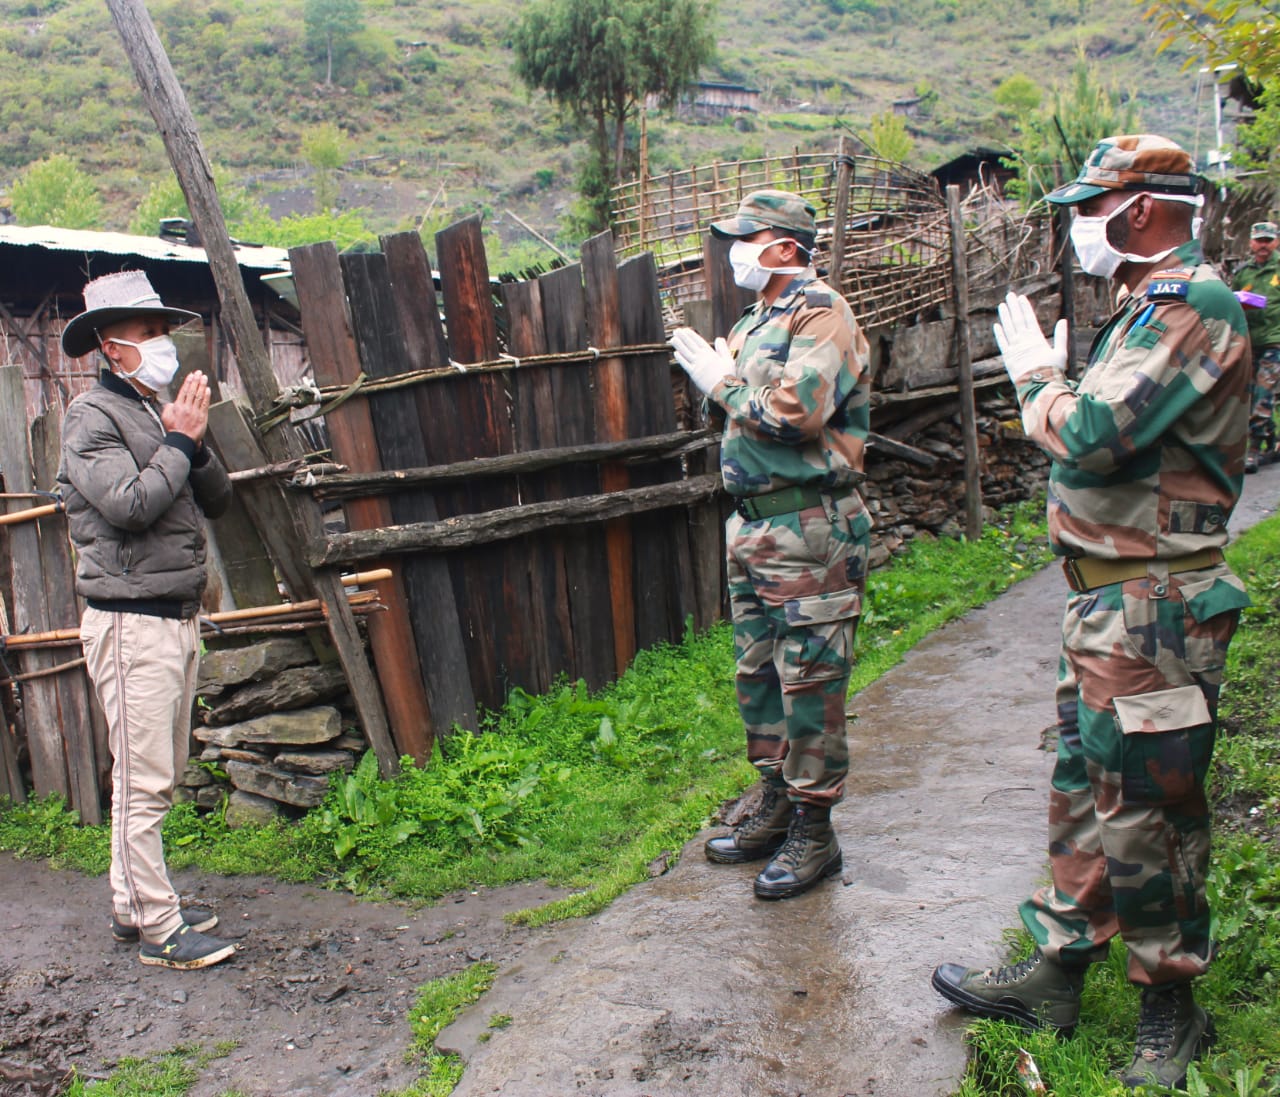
(1011, 973)
(758, 818)
(791, 852)
(1156, 1021)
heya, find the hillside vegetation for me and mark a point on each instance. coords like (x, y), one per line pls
(437, 126)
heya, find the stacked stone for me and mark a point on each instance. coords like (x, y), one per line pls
(272, 724)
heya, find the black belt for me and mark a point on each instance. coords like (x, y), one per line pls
(783, 501)
(173, 608)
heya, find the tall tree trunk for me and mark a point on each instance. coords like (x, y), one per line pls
(328, 48)
(619, 144)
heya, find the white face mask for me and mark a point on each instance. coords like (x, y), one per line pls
(1094, 250)
(159, 364)
(744, 257)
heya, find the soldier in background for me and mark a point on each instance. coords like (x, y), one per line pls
(1148, 459)
(792, 388)
(1261, 278)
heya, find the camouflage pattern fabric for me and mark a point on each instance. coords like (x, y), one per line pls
(797, 414)
(1266, 378)
(799, 409)
(1137, 700)
(1148, 462)
(1148, 450)
(795, 591)
(1263, 278)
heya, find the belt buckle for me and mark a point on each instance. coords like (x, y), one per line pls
(1075, 580)
(742, 506)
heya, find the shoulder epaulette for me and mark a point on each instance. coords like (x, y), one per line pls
(1171, 285)
(817, 298)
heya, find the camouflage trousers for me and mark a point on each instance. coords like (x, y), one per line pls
(795, 591)
(1266, 379)
(1138, 683)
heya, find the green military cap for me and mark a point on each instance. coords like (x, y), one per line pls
(768, 209)
(1140, 161)
(1263, 230)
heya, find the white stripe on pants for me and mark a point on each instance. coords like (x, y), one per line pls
(144, 671)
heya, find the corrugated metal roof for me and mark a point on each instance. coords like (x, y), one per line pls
(146, 247)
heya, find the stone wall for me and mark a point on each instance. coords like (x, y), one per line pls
(274, 722)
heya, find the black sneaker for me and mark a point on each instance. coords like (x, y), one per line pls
(198, 918)
(186, 949)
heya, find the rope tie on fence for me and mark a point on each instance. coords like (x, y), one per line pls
(330, 397)
(306, 394)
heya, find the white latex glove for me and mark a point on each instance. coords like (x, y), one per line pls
(1022, 344)
(704, 364)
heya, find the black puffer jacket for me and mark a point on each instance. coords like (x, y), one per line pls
(135, 496)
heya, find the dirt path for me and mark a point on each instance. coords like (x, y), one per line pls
(685, 986)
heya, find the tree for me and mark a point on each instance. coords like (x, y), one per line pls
(165, 199)
(325, 148)
(54, 191)
(599, 59)
(331, 26)
(1221, 31)
(1245, 34)
(1018, 95)
(1053, 142)
(889, 137)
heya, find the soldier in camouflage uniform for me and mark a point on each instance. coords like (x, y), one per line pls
(1261, 278)
(791, 386)
(1148, 457)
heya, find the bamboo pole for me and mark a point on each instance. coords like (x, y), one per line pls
(29, 515)
(311, 605)
(968, 408)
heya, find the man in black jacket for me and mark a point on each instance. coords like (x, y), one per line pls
(137, 481)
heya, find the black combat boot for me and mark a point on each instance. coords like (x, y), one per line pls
(810, 854)
(759, 834)
(1172, 1030)
(1035, 992)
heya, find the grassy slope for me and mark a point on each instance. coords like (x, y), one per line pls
(434, 97)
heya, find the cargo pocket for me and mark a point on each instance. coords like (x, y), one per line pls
(819, 638)
(1166, 743)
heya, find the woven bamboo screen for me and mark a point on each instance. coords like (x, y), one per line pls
(897, 259)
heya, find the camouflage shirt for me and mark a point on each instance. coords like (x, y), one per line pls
(1263, 278)
(1148, 447)
(798, 409)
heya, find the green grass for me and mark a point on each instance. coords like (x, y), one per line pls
(169, 1074)
(1240, 989)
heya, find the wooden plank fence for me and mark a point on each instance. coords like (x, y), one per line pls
(549, 574)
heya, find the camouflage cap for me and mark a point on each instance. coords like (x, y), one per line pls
(1263, 230)
(768, 209)
(1140, 161)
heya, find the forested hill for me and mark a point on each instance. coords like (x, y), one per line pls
(437, 125)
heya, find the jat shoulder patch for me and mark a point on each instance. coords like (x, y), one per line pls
(817, 298)
(1171, 285)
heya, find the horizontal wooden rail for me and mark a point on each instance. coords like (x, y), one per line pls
(348, 484)
(507, 522)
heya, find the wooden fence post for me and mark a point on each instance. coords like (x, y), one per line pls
(332, 353)
(30, 609)
(600, 277)
(968, 408)
(590, 609)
